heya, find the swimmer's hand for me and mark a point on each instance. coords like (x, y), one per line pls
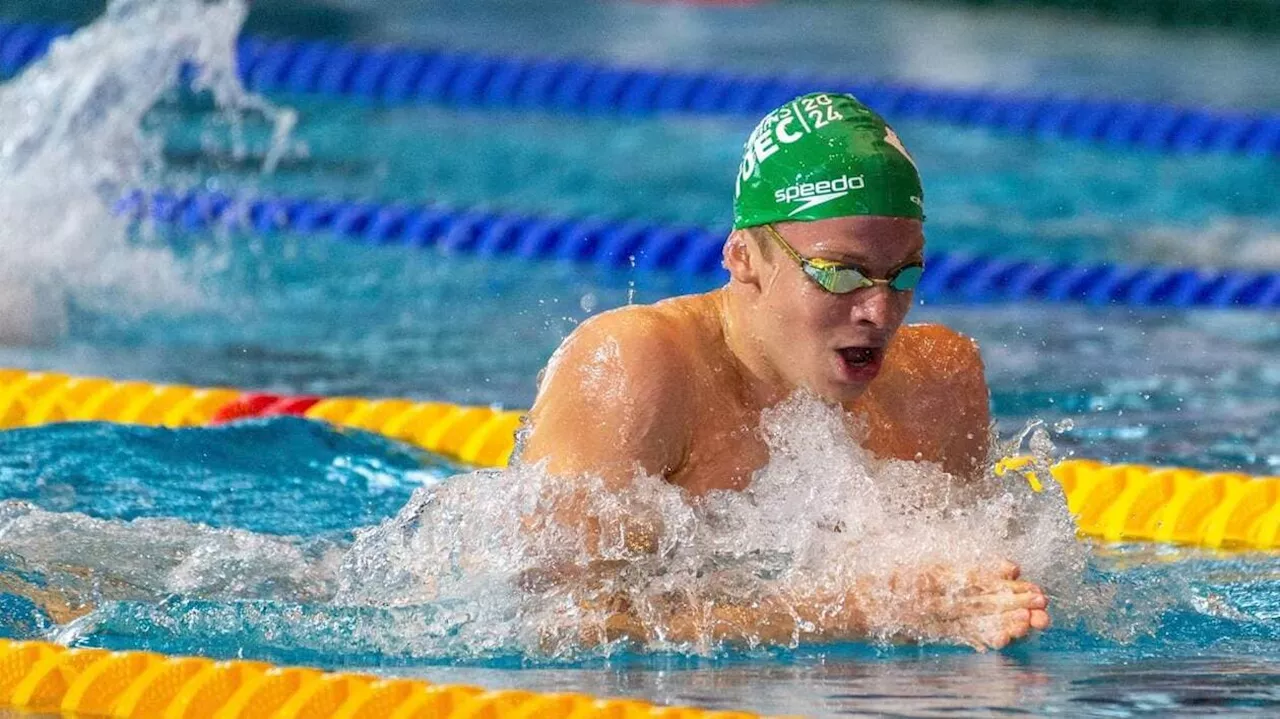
(987, 608)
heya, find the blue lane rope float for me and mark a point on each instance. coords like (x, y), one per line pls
(21, 43)
(396, 76)
(691, 252)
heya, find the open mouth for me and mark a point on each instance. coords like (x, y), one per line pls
(859, 356)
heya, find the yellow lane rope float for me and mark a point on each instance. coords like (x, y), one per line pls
(43, 677)
(1110, 502)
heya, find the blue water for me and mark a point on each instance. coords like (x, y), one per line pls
(1031, 198)
(244, 476)
(302, 488)
(307, 314)
(928, 42)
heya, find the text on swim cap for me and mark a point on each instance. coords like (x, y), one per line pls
(784, 126)
(816, 193)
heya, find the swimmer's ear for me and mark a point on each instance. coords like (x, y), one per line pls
(742, 257)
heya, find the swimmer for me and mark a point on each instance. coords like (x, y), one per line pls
(826, 248)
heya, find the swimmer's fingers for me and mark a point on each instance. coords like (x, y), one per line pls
(1000, 586)
(927, 581)
(1040, 619)
(1002, 570)
(1016, 586)
(986, 605)
(1000, 631)
(964, 634)
(1017, 624)
(1004, 601)
(995, 631)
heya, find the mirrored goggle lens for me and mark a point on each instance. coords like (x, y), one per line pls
(839, 280)
(847, 280)
(842, 280)
(907, 278)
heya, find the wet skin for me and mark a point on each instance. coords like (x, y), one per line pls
(675, 389)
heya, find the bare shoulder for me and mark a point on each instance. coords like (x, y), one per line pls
(616, 394)
(643, 346)
(931, 400)
(939, 352)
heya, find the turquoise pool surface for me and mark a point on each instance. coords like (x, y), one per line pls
(986, 193)
(221, 541)
(215, 541)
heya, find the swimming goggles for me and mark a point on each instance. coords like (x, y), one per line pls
(842, 279)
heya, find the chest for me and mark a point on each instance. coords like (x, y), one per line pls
(726, 448)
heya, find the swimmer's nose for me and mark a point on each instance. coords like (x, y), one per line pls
(877, 307)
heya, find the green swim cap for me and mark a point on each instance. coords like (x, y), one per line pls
(824, 155)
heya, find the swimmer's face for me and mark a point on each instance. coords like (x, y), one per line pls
(834, 344)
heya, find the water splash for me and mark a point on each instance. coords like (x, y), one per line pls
(72, 141)
(95, 560)
(822, 519)
(471, 568)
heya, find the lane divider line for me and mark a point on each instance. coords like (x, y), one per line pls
(387, 75)
(49, 678)
(689, 252)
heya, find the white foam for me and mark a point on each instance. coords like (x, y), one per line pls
(466, 568)
(72, 143)
(469, 541)
(91, 560)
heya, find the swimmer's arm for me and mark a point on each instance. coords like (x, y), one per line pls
(772, 621)
(614, 400)
(613, 405)
(966, 448)
(983, 607)
(775, 621)
(944, 400)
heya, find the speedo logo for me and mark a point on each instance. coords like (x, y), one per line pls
(812, 194)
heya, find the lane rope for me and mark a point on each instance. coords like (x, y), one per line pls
(480, 436)
(392, 76)
(88, 682)
(690, 251)
(1110, 502)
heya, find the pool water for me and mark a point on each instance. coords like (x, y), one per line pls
(1066, 200)
(221, 541)
(266, 505)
